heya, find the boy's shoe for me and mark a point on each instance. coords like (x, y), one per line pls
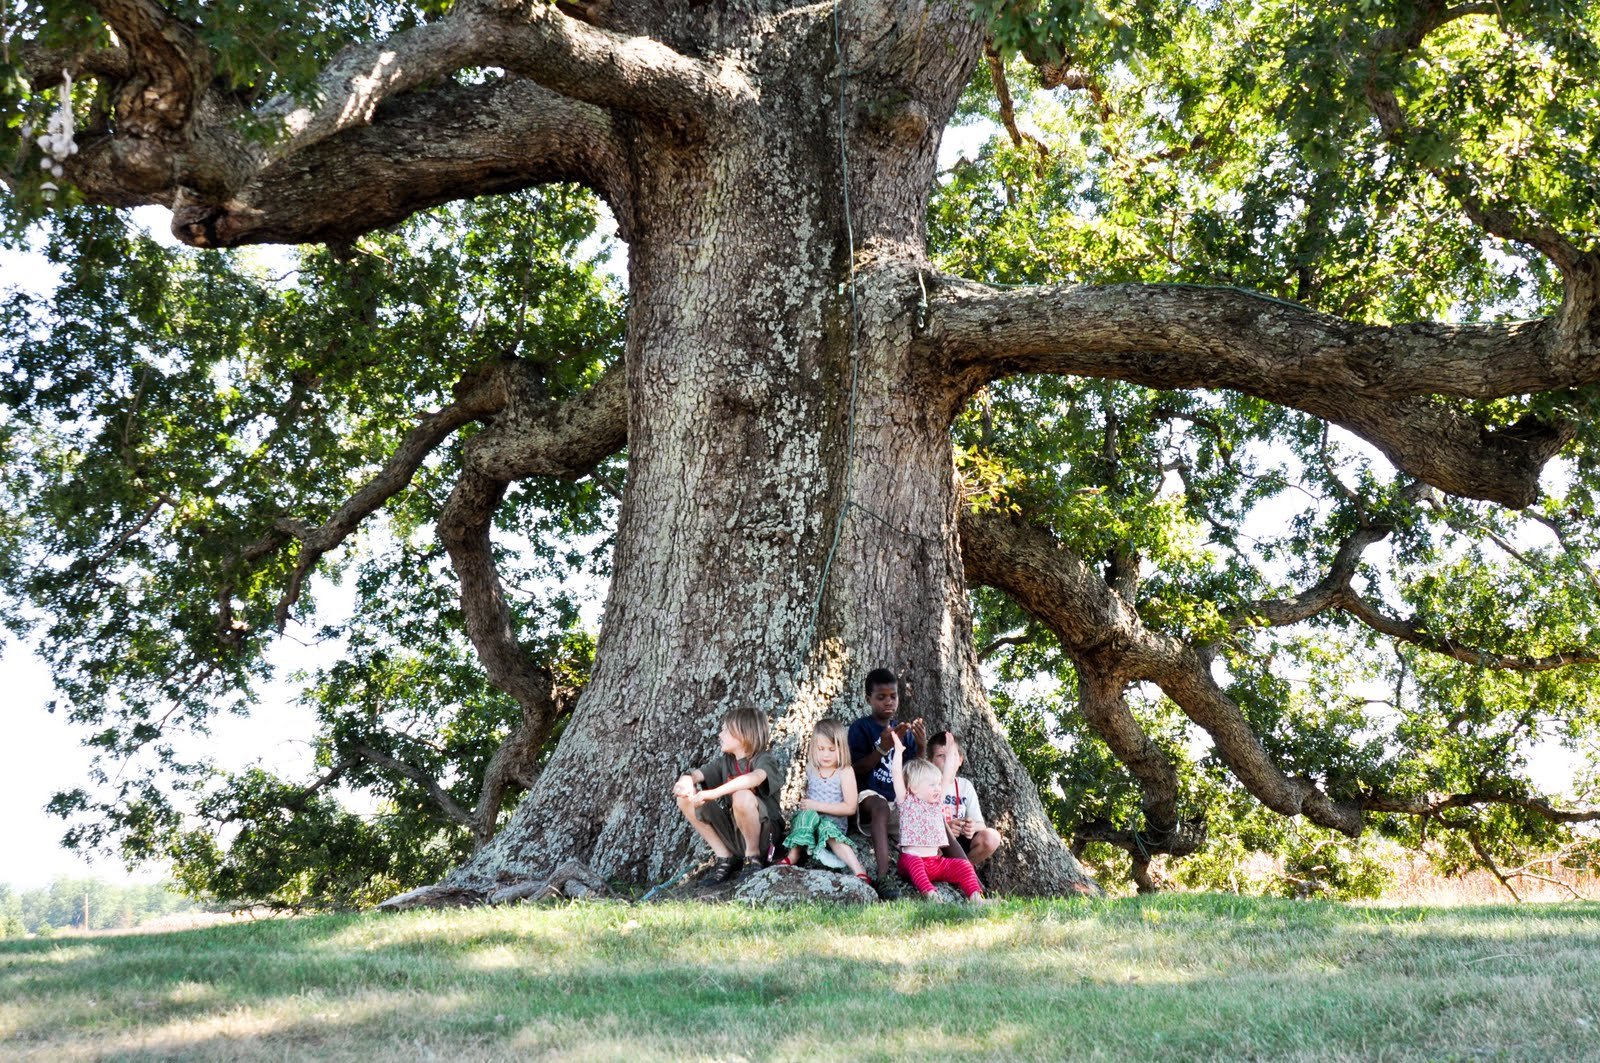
(726, 869)
(890, 887)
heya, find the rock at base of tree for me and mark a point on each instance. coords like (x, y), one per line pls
(782, 886)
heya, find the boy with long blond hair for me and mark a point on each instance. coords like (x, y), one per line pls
(732, 799)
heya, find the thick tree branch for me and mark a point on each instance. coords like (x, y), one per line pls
(529, 437)
(43, 66)
(426, 148)
(532, 39)
(1102, 702)
(554, 439)
(169, 72)
(386, 131)
(1189, 335)
(1098, 627)
(1111, 647)
(514, 765)
(1094, 625)
(1373, 380)
(478, 394)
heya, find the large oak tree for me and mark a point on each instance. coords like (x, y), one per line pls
(794, 361)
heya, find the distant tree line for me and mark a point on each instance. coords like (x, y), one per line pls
(85, 904)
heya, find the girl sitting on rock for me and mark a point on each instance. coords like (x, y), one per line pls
(830, 796)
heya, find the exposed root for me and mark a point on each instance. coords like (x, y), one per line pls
(573, 880)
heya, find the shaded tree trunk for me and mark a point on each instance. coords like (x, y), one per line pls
(790, 515)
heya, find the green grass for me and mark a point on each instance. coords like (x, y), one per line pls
(1184, 976)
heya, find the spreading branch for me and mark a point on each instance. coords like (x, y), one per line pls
(1111, 647)
(479, 394)
(1376, 381)
(1335, 591)
(376, 174)
(386, 131)
(436, 793)
(1429, 805)
(531, 39)
(562, 439)
(529, 437)
(1008, 111)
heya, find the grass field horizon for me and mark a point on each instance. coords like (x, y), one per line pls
(1185, 976)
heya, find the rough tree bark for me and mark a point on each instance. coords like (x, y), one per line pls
(791, 516)
(776, 402)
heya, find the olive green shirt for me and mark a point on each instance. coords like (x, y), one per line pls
(724, 766)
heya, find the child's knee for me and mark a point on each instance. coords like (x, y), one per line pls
(745, 801)
(991, 838)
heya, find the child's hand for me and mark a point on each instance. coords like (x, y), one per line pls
(952, 752)
(899, 746)
(684, 787)
(807, 805)
(919, 730)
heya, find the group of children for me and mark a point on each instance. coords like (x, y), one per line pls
(885, 771)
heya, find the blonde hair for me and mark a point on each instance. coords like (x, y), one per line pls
(750, 727)
(834, 732)
(922, 772)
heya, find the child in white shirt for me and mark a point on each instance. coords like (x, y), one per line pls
(961, 808)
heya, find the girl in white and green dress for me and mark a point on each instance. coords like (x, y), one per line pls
(830, 796)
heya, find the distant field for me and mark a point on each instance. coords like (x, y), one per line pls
(1172, 977)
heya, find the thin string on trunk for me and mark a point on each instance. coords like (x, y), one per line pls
(855, 357)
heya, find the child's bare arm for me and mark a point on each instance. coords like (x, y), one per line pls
(748, 781)
(852, 796)
(897, 767)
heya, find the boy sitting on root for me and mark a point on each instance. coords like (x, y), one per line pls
(732, 799)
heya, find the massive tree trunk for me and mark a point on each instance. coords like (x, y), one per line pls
(790, 514)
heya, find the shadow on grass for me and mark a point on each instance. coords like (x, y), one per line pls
(1192, 975)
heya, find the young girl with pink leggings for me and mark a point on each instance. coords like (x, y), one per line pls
(919, 798)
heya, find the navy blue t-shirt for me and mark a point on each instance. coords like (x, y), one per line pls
(863, 736)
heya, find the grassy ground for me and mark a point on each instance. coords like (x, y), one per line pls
(1185, 977)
